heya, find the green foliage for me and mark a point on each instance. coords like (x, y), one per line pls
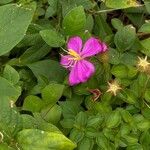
(13, 28)
(74, 21)
(44, 140)
(52, 38)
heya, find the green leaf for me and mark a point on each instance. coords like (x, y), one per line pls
(109, 133)
(52, 38)
(147, 95)
(74, 22)
(144, 139)
(85, 3)
(144, 125)
(117, 24)
(128, 96)
(67, 123)
(125, 38)
(44, 125)
(114, 119)
(11, 74)
(10, 120)
(4, 146)
(28, 121)
(81, 119)
(118, 4)
(125, 129)
(130, 139)
(51, 10)
(52, 93)
(32, 103)
(5, 1)
(94, 121)
(100, 23)
(102, 142)
(49, 69)
(135, 147)
(119, 71)
(146, 112)
(7, 89)
(52, 114)
(86, 144)
(14, 23)
(37, 139)
(34, 53)
(146, 44)
(70, 109)
(145, 28)
(147, 4)
(76, 135)
(114, 56)
(127, 117)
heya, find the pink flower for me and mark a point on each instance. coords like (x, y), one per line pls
(80, 68)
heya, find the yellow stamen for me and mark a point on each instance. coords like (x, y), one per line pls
(75, 55)
(114, 87)
(143, 64)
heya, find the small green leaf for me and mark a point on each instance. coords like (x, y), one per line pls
(32, 103)
(7, 89)
(52, 93)
(52, 38)
(74, 22)
(70, 109)
(10, 120)
(11, 74)
(117, 24)
(67, 123)
(5, 1)
(34, 53)
(119, 71)
(76, 135)
(81, 119)
(144, 125)
(35, 139)
(145, 28)
(49, 69)
(94, 121)
(147, 95)
(146, 44)
(147, 5)
(4, 146)
(125, 38)
(114, 119)
(86, 144)
(130, 139)
(118, 4)
(128, 96)
(114, 56)
(127, 117)
(52, 114)
(102, 142)
(135, 147)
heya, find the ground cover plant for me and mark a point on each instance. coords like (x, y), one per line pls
(74, 75)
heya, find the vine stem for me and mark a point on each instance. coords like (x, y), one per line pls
(113, 9)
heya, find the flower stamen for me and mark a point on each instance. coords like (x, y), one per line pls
(75, 55)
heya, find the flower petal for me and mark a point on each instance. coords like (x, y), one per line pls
(85, 71)
(75, 43)
(73, 76)
(92, 47)
(65, 62)
(81, 72)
